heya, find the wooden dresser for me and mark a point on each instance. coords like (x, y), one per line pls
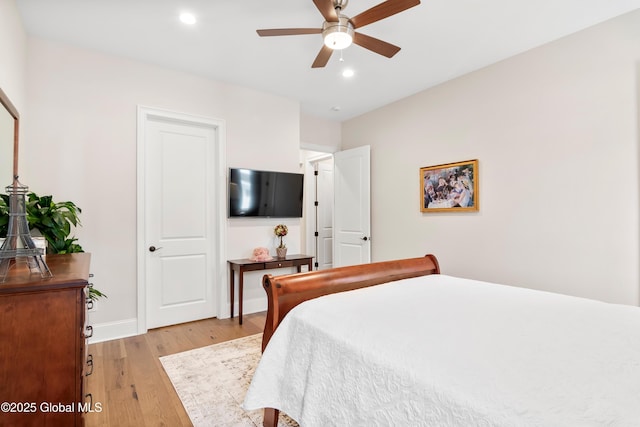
(43, 360)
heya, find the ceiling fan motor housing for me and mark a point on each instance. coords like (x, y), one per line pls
(338, 35)
(340, 4)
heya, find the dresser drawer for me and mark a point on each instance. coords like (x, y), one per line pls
(278, 264)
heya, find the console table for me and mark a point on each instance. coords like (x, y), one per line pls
(242, 265)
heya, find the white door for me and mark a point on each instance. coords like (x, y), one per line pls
(179, 220)
(352, 207)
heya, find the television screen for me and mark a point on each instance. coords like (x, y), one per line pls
(254, 193)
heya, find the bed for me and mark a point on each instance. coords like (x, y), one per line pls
(398, 343)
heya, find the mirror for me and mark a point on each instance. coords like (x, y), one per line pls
(9, 120)
(18, 243)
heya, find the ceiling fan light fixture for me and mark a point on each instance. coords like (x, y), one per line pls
(338, 35)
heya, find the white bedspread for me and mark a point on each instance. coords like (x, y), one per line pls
(443, 351)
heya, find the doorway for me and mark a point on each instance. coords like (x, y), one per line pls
(338, 207)
(319, 208)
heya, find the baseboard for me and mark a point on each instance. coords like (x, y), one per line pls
(249, 306)
(129, 327)
(114, 330)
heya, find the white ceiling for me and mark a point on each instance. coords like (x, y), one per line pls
(440, 40)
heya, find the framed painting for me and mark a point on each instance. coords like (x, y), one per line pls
(451, 187)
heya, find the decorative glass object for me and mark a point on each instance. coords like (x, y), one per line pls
(19, 246)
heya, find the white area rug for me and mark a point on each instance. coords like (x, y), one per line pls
(212, 381)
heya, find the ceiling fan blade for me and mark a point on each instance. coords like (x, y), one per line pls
(326, 9)
(288, 31)
(323, 57)
(381, 11)
(375, 45)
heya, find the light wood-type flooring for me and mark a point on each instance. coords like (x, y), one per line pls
(128, 379)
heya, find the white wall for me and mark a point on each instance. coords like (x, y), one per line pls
(13, 41)
(319, 134)
(556, 133)
(79, 144)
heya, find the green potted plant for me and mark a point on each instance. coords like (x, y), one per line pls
(4, 215)
(54, 221)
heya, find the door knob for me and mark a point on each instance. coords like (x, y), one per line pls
(153, 248)
(365, 238)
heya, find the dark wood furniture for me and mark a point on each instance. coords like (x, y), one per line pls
(286, 292)
(245, 264)
(43, 360)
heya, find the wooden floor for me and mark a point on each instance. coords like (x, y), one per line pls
(128, 379)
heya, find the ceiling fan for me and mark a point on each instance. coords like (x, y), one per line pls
(338, 30)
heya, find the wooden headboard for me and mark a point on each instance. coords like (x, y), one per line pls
(285, 292)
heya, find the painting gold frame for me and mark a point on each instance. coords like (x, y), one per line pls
(451, 187)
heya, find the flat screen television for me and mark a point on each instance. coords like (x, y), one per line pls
(256, 193)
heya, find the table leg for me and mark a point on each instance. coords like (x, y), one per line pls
(231, 288)
(240, 296)
(309, 267)
(240, 292)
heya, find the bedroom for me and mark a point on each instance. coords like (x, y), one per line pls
(555, 130)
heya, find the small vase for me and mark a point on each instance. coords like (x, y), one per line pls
(282, 252)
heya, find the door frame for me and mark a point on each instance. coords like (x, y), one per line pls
(310, 215)
(144, 114)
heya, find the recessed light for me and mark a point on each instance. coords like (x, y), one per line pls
(335, 108)
(187, 18)
(348, 72)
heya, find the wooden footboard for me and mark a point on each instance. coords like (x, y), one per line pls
(285, 292)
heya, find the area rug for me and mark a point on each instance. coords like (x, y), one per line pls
(212, 382)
